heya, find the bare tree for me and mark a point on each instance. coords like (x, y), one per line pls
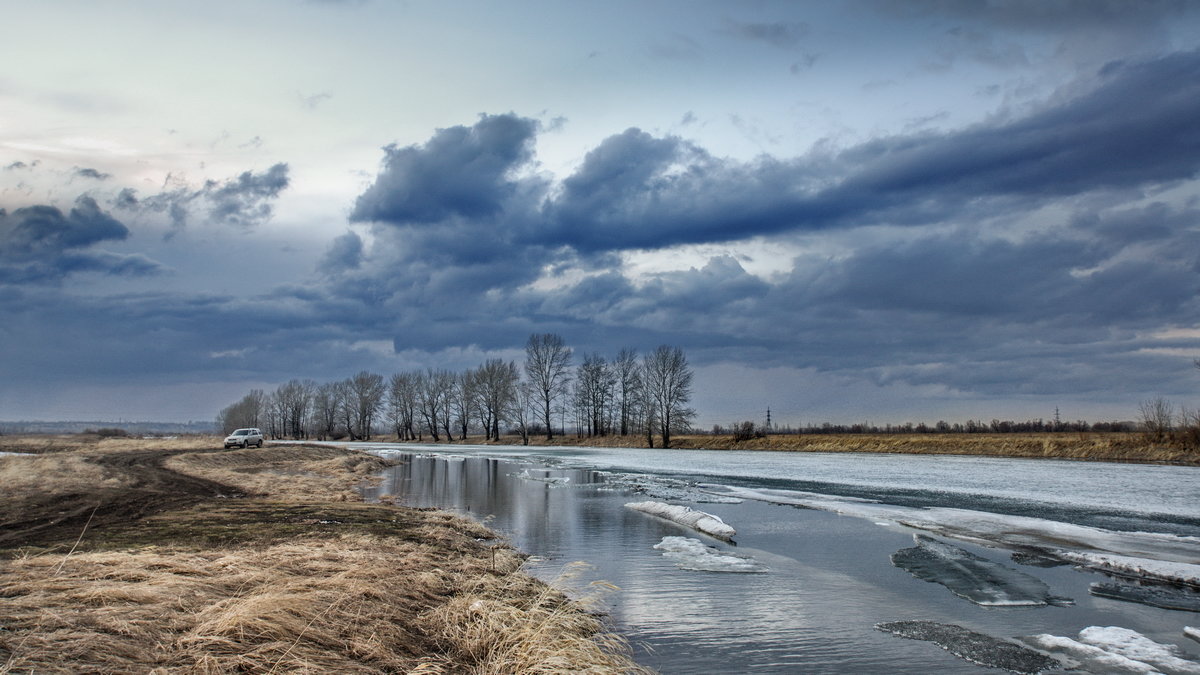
(1158, 417)
(403, 398)
(365, 397)
(434, 389)
(327, 402)
(521, 408)
(594, 384)
(548, 367)
(495, 389)
(248, 412)
(625, 367)
(667, 380)
(464, 400)
(293, 403)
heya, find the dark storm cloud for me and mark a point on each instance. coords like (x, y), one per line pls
(84, 172)
(1016, 257)
(242, 201)
(345, 253)
(636, 191)
(461, 171)
(40, 243)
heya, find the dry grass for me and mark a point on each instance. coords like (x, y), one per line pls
(291, 472)
(297, 581)
(56, 473)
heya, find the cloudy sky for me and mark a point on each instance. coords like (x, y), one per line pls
(865, 210)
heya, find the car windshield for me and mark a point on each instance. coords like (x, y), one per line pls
(242, 432)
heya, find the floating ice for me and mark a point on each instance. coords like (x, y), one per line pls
(969, 576)
(663, 488)
(1193, 633)
(1154, 555)
(1131, 566)
(1155, 596)
(554, 481)
(697, 520)
(1112, 649)
(692, 554)
(977, 648)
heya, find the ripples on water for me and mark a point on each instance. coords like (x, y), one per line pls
(830, 578)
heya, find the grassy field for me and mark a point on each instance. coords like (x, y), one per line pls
(124, 555)
(1093, 446)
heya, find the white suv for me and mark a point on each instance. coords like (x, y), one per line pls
(243, 438)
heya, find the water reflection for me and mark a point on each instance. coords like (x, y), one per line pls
(830, 578)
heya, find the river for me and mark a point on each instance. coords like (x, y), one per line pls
(829, 546)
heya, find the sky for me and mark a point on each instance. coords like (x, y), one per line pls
(868, 210)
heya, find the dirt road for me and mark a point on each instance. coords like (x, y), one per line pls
(46, 519)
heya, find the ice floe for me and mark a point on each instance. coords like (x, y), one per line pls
(1112, 649)
(1155, 596)
(1132, 566)
(661, 488)
(692, 554)
(982, 581)
(553, 481)
(978, 648)
(1191, 632)
(688, 517)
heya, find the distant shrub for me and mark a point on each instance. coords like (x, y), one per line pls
(744, 431)
(110, 432)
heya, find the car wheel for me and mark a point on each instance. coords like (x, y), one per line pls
(259, 444)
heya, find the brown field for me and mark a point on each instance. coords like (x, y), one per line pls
(125, 555)
(1093, 446)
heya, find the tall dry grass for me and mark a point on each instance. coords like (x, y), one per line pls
(58, 473)
(354, 604)
(289, 472)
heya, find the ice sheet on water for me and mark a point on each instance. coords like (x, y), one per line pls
(1191, 632)
(1112, 649)
(1157, 555)
(1155, 596)
(692, 554)
(688, 517)
(977, 648)
(662, 488)
(971, 577)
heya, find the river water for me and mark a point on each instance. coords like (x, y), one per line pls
(809, 574)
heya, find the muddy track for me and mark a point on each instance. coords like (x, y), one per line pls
(58, 519)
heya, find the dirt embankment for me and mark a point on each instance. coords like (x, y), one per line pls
(128, 556)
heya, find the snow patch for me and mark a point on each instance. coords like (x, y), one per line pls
(692, 554)
(1116, 649)
(697, 520)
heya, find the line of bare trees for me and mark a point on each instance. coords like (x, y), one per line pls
(629, 395)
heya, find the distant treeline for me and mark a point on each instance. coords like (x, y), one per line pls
(940, 427)
(632, 394)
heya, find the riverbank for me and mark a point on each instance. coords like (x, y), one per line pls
(1091, 446)
(123, 555)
